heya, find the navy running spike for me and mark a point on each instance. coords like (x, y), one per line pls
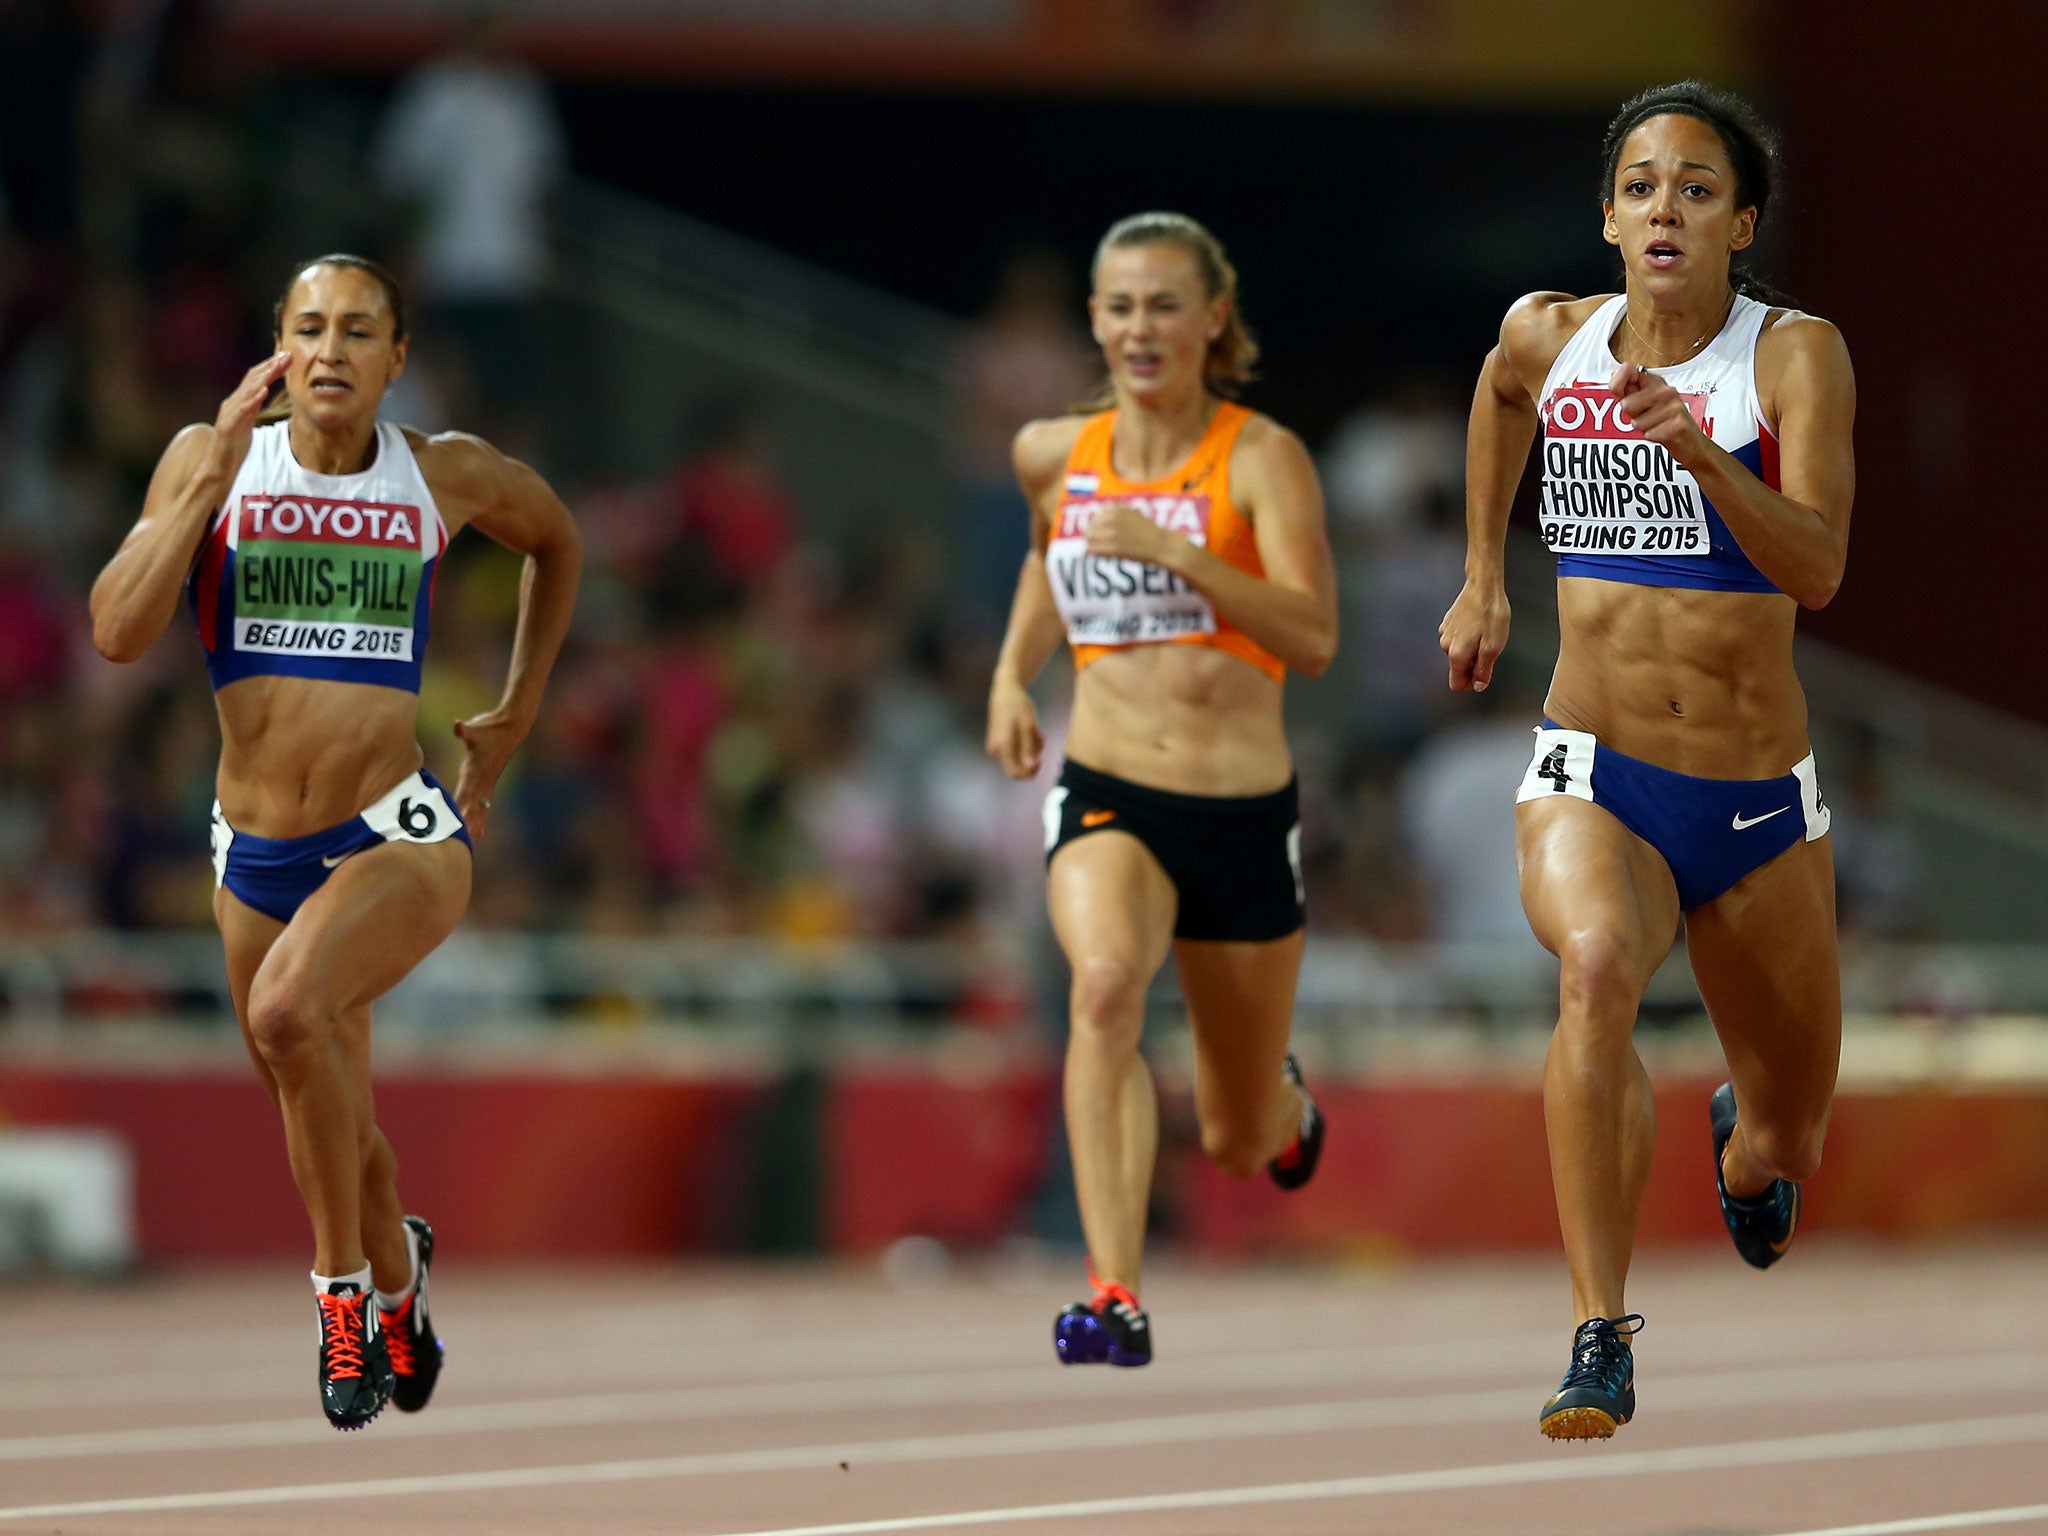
(1761, 1227)
(1598, 1393)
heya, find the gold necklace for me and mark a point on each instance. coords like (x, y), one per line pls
(1693, 349)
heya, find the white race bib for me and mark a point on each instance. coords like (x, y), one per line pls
(1609, 490)
(1110, 601)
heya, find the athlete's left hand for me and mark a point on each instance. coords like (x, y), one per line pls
(1658, 411)
(488, 742)
(1122, 532)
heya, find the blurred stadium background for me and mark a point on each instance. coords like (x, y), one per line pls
(757, 960)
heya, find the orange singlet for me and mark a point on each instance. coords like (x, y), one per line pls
(1109, 603)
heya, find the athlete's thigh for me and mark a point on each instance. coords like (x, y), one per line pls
(1586, 879)
(1112, 904)
(376, 917)
(1240, 999)
(246, 937)
(1764, 957)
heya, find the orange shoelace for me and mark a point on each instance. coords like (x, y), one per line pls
(398, 1337)
(1107, 1291)
(342, 1334)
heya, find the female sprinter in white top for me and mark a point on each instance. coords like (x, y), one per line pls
(309, 547)
(1697, 475)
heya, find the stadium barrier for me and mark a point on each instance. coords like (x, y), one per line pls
(613, 1160)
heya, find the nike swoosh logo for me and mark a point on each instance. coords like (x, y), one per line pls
(335, 862)
(1740, 825)
(1097, 818)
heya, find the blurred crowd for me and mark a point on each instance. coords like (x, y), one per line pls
(752, 730)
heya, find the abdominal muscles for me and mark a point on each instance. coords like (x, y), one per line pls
(299, 755)
(1696, 681)
(1185, 718)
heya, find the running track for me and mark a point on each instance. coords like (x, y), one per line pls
(1873, 1392)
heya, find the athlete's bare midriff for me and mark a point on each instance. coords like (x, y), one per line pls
(1699, 682)
(1184, 718)
(300, 755)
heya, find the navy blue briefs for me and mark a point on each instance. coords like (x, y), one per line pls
(1711, 832)
(275, 875)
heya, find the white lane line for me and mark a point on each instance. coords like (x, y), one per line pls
(1251, 1370)
(2018, 1514)
(1902, 1440)
(739, 1337)
(1467, 1358)
(982, 1445)
(258, 1384)
(1376, 1366)
(1862, 1382)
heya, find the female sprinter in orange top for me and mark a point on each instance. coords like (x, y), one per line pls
(1178, 544)
(309, 546)
(1697, 474)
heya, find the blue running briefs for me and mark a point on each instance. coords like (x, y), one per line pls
(1711, 832)
(275, 875)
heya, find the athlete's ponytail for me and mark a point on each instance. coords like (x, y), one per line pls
(1750, 142)
(1233, 357)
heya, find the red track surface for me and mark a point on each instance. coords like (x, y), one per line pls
(1845, 1388)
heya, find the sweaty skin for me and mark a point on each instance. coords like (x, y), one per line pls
(300, 755)
(1699, 682)
(1183, 718)
(1178, 717)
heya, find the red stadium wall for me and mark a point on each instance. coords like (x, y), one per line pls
(1464, 1167)
(565, 1165)
(905, 1152)
(582, 1165)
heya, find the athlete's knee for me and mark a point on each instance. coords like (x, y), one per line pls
(284, 1026)
(1786, 1151)
(1108, 997)
(1600, 981)
(1234, 1147)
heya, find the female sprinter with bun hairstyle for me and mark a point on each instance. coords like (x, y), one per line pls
(309, 546)
(1178, 546)
(1697, 476)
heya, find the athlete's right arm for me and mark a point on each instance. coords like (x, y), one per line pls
(1503, 425)
(135, 597)
(1034, 631)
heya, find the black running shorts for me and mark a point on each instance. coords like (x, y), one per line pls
(1235, 861)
